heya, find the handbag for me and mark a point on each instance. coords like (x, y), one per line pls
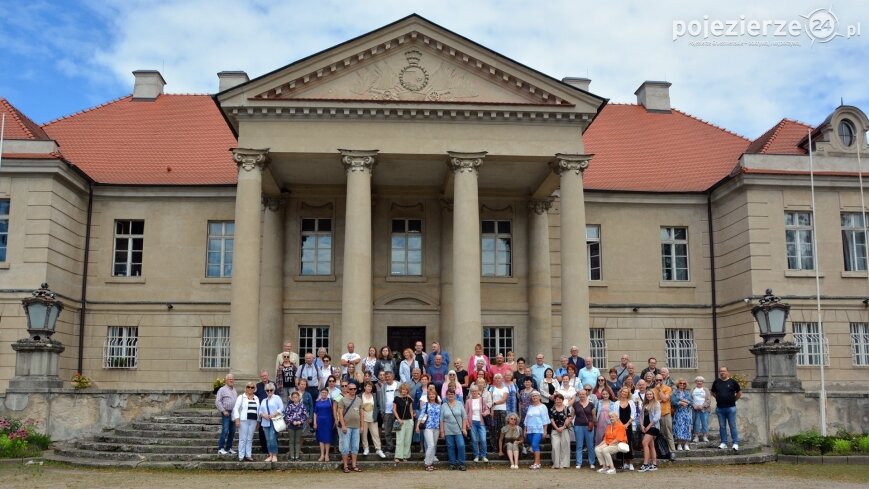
(279, 424)
(624, 447)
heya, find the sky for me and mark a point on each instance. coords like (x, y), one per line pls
(59, 57)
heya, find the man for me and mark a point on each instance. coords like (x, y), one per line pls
(351, 357)
(438, 371)
(726, 392)
(288, 348)
(415, 383)
(420, 356)
(638, 397)
(538, 370)
(631, 373)
(576, 360)
(499, 367)
(665, 373)
(561, 371)
(225, 402)
(386, 396)
(310, 372)
(521, 373)
(589, 374)
(349, 411)
(653, 367)
(436, 350)
(622, 368)
(260, 393)
(663, 393)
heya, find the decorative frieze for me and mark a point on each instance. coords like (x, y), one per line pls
(248, 159)
(570, 163)
(358, 160)
(465, 162)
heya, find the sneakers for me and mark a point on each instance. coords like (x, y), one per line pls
(524, 450)
(696, 439)
(578, 467)
(365, 452)
(601, 470)
(687, 448)
(231, 451)
(381, 454)
(630, 466)
(476, 459)
(644, 468)
(705, 438)
(222, 452)
(514, 466)
(534, 467)
(723, 446)
(679, 447)
(736, 447)
(591, 466)
(611, 471)
(485, 460)
(462, 467)
(653, 467)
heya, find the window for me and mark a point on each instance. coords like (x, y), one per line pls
(497, 340)
(674, 254)
(853, 241)
(847, 134)
(597, 347)
(317, 246)
(312, 338)
(4, 228)
(214, 350)
(129, 240)
(406, 247)
(496, 240)
(592, 243)
(680, 349)
(860, 343)
(220, 244)
(808, 337)
(798, 238)
(122, 347)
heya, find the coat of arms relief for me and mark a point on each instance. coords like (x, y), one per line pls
(416, 80)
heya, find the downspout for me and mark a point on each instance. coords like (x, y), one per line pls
(712, 281)
(82, 312)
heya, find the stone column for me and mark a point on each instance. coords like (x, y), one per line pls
(244, 309)
(444, 331)
(271, 330)
(574, 268)
(356, 294)
(539, 279)
(467, 319)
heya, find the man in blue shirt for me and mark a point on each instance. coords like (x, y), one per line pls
(562, 370)
(577, 361)
(539, 369)
(436, 350)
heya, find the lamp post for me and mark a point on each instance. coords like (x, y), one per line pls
(771, 315)
(775, 359)
(36, 358)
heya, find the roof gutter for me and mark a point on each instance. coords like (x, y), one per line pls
(82, 312)
(712, 280)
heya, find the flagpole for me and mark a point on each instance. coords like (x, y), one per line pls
(823, 393)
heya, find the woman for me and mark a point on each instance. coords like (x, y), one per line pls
(627, 416)
(430, 423)
(571, 375)
(452, 382)
(650, 427)
(510, 360)
(500, 394)
(324, 423)
(246, 419)
(477, 410)
(369, 420)
(681, 400)
(405, 368)
(548, 388)
(454, 427)
(510, 439)
(308, 402)
(629, 383)
(566, 390)
(536, 421)
(270, 408)
(560, 417)
(296, 417)
(604, 406)
(327, 371)
(462, 375)
(285, 378)
(613, 380)
(385, 363)
(525, 399)
(701, 406)
(370, 361)
(402, 409)
(583, 427)
(614, 434)
(479, 355)
(599, 386)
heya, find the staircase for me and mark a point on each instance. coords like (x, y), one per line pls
(187, 438)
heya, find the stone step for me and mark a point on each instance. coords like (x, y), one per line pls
(174, 419)
(169, 426)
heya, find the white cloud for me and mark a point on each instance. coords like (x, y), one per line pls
(617, 44)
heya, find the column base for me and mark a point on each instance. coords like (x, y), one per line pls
(776, 366)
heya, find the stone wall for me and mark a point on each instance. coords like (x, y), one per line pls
(70, 413)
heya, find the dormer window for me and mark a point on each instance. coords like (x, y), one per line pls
(847, 133)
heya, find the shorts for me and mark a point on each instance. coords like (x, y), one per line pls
(655, 432)
(534, 440)
(511, 446)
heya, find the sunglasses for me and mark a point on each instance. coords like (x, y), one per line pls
(249, 387)
(352, 388)
(270, 390)
(331, 381)
(344, 385)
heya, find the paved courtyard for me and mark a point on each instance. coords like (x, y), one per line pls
(772, 475)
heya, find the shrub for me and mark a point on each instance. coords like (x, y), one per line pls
(841, 447)
(21, 438)
(862, 443)
(79, 381)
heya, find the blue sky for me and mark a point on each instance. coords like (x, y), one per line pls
(59, 57)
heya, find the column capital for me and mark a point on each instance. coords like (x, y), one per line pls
(446, 205)
(247, 159)
(461, 162)
(273, 202)
(539, 206)
(358, 160)
(570, 163)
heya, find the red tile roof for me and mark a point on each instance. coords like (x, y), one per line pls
(638, 150)
(173, 140)
(781, 139)
(18, 125)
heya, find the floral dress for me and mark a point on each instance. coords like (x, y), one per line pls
(524, 403)
(296, 412)
(681, 414)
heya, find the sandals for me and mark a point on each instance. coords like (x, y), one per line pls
(429, 468)
(356, 469)
(346, 470)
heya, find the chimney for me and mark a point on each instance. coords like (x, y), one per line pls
(580, 83)
(654, 96)
(230, 79)
(149, 84)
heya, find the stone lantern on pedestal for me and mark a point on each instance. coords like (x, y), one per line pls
(775, 359)
(37, 357)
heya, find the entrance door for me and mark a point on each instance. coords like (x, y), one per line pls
(400, 337)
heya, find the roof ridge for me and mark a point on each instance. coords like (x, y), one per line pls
(775, 131)
(795, 121)
(17, 115)
(716, 126)
(84, 111)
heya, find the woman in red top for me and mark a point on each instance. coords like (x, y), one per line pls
(615, 434)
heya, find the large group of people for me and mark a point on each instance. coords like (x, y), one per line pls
(392, 404)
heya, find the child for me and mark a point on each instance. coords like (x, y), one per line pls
(511, 438)
(296, 417)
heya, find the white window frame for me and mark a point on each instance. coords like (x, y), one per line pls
(317, 234)
(808, 337)
(680, 349)
(797, 237)
(592, 243)
(854, 241)
(497, 339)
(497, 256)
(670, 254)
(401, 255)
(131, 268)
(214, 352)
(597, 347)
(312, 338)
(5, 205)
(219, 245)
(860, 344)
(121, 348)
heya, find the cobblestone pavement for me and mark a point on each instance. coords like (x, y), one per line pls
(771, 475)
